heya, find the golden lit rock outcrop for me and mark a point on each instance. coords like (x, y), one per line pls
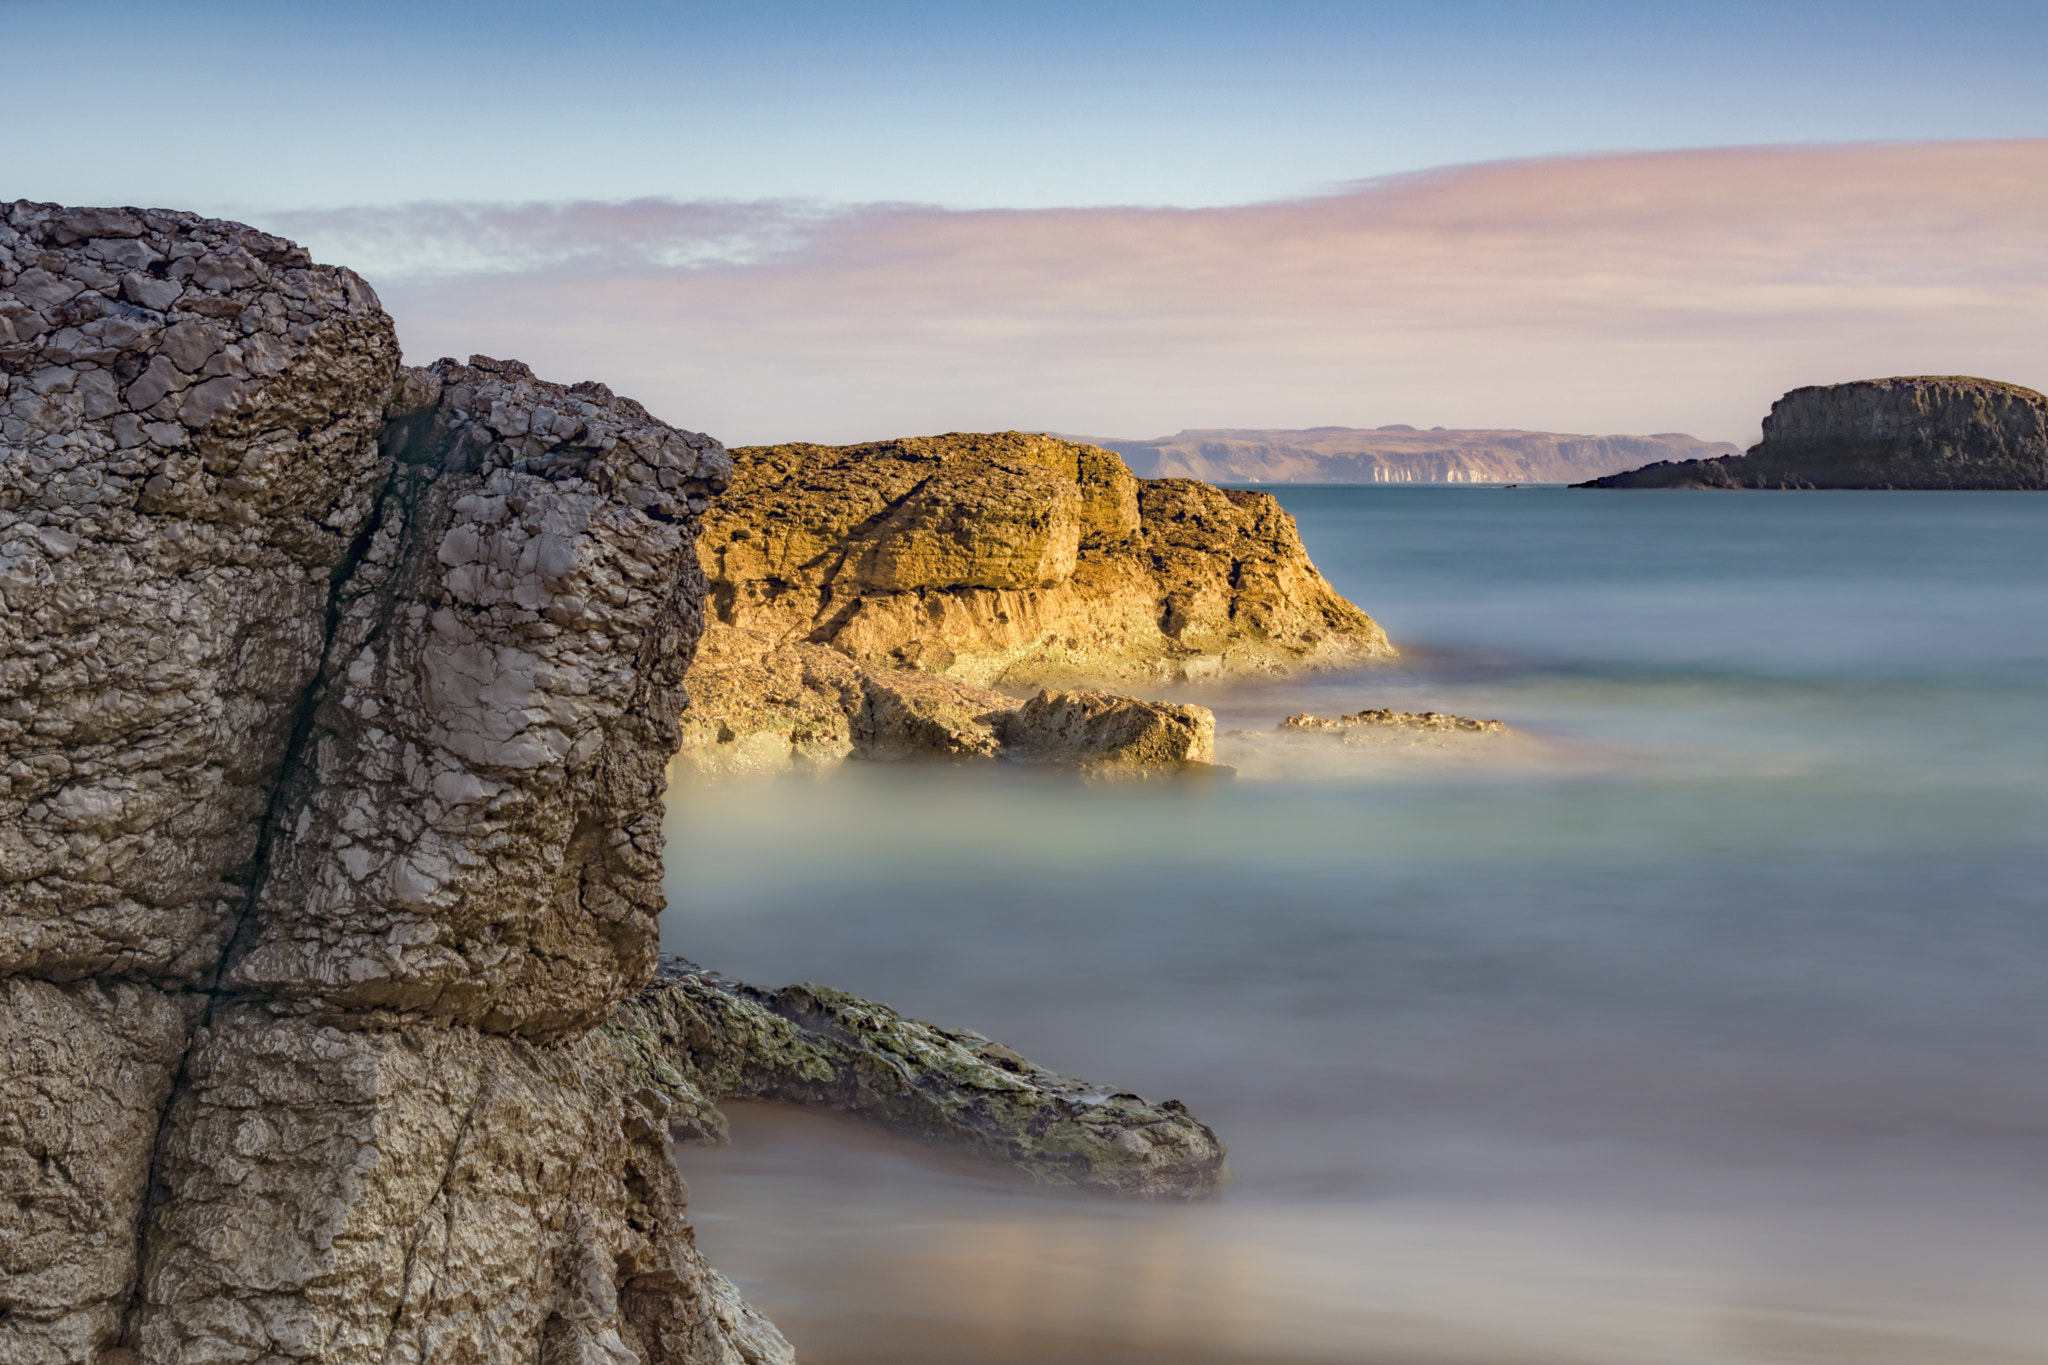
(999, 561)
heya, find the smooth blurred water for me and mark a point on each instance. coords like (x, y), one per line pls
(1702, 1018)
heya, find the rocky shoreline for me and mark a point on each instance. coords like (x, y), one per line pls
(875, 601)
(336, 698)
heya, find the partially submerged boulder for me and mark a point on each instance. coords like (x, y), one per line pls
(693, 1038)
(1918, 432)
(1380, 718)
(1109, 736)
(810, 707)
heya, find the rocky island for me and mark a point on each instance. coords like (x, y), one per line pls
(868, 601)
(1921, 432)
(335, 702)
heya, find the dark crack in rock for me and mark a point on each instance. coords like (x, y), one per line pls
(334, 705)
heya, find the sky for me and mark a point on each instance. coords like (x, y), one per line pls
(841, 221)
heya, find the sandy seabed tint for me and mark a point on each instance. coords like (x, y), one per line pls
(1697, 1021)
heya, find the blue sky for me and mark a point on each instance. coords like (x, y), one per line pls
(243, 107)
(778, 221)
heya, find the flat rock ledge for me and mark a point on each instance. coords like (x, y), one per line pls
(693, 1038)
(1399, 720)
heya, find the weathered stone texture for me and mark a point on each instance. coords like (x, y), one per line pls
(1920, 432)
(189, 417)
(476, 833)
(1109, 736)
(334, 704)
(426, 1194)
(87, 1069)
(1382, 718)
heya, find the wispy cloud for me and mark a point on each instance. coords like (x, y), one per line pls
(432, 241)
(1641, 292)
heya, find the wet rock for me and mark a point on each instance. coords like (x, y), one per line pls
(1400, 720)
(703, 1038)
(1929, 432)
(88, 1069)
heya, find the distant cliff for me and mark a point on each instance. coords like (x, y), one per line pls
(1926, 431)
(1399, 454)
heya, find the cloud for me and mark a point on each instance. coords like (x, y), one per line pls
(1655, 291)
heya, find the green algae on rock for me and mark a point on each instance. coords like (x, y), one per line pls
(1944, 432)
(692, 1038)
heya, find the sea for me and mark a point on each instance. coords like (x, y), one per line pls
(1700, 1018)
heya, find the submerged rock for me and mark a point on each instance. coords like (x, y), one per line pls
(1926, 432)
(694, 1038)
(1399, 720)
(1004, 560)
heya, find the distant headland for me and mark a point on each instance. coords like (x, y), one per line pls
(1912, 432)
(1398, 454)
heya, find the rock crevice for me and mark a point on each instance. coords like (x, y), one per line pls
(334, 705)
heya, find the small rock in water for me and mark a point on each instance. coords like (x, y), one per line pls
(1404, 720)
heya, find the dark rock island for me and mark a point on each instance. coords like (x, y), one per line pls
(1928, 431)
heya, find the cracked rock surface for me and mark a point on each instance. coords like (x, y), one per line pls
(1002, 560)
(334, 702)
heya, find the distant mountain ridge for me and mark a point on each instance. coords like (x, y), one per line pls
(1398, 454)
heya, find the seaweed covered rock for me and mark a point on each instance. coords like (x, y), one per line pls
(1924, 432)
(694, 1038)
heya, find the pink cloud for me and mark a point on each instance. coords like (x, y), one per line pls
(1657, 291)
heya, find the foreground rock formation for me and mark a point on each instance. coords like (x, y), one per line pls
(334, 704)
(1927, 432)
(838, 575)
(695, 1038)
(1400, 454)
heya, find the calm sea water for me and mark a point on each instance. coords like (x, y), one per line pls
(1702, 1018)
